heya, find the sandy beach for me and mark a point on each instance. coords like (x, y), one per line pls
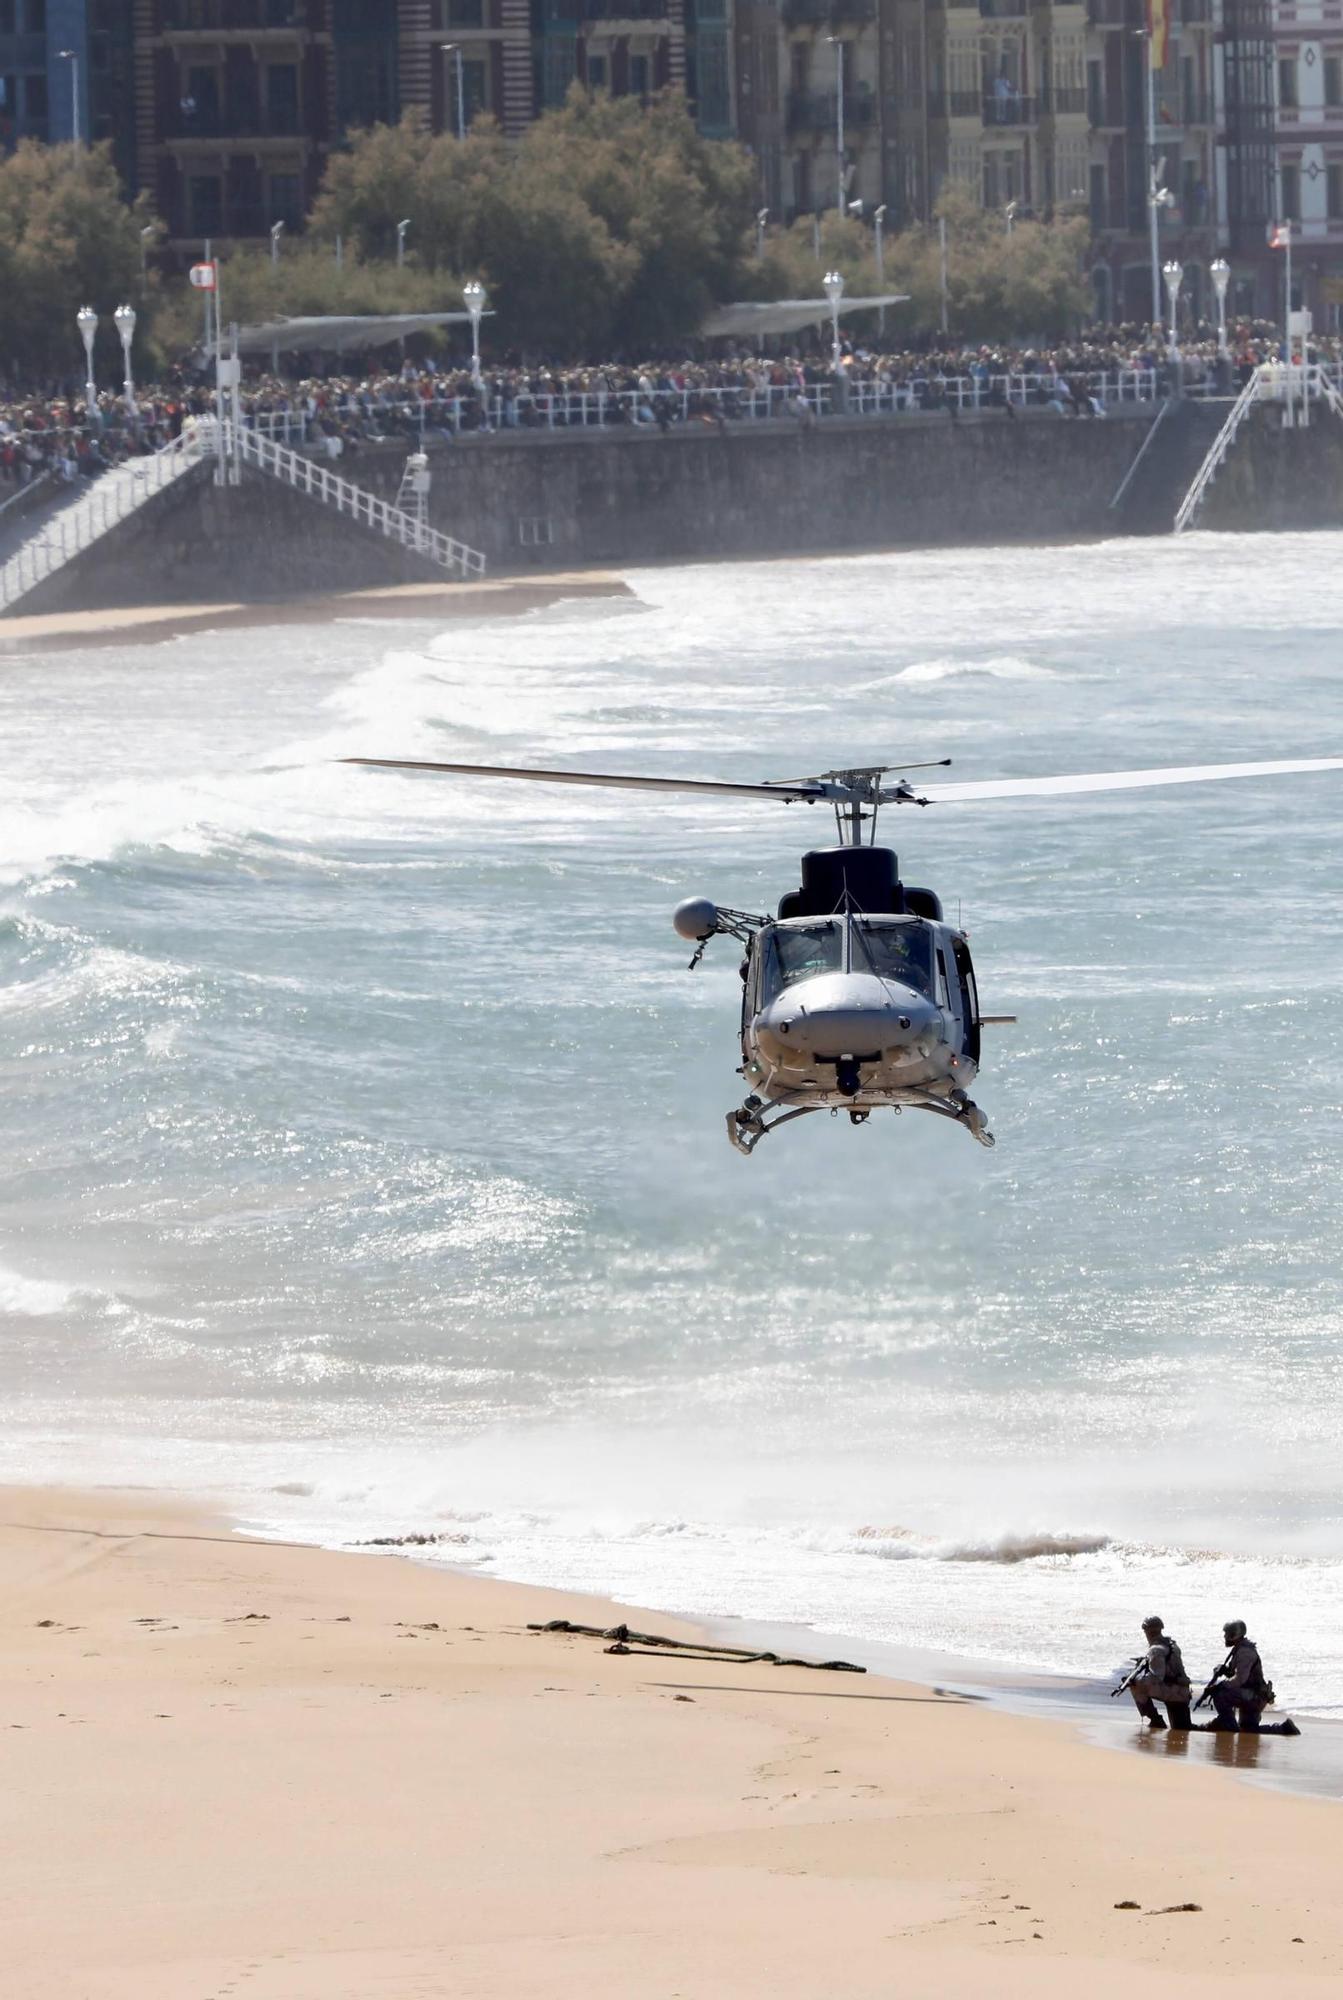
(154, 624)
(267, 1770)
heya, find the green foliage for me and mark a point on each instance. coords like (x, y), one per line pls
(67, 239)
(606, 223)
(305, 279)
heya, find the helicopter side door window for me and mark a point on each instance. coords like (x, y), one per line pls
(801, 951)
(895, 951)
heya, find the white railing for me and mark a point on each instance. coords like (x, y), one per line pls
(110, 499)
(309, 476)
(1217, 451)
(620, 409)
(1293, 385)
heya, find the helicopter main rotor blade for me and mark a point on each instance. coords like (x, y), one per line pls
(1123, 781)
(805, 789)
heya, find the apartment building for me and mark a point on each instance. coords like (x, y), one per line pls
(1038, 107)
(1281, 156)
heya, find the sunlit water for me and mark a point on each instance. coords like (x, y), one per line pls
(365, 1158)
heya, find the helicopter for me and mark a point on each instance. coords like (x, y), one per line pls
(857, 995)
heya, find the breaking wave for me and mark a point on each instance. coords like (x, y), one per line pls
(901, 1545)
(1002, 667)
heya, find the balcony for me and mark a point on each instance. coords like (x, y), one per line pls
(1066, 101)
(245, 122)
(825, 13)
(1004, 10)
(1010, 110)
(1176, 114)
(1114, 13)
(222, 16)
(962, 104)
(815, 111)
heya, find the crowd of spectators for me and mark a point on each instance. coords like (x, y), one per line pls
(53, 435)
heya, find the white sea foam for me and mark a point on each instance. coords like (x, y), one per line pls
(393, 1100)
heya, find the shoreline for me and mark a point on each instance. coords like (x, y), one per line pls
(264, 1766)
(155, 624)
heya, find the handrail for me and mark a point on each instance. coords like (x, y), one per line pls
(1162, 413)
(308, 476)
(1218, 450)
(117, 494)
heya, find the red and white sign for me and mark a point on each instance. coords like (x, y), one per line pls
(202, 277)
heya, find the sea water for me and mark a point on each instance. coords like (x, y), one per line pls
(364, 1155)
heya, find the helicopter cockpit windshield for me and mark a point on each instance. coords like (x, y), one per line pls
(803, 950)
(902, 951)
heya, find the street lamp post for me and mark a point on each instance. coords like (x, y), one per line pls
(401, 229)
(455, 49)
(1156, 195)
(833, 282)
(86, 319)
(276, 232)
(761, 218)
(72, 57)
(879, 232)
(124, 320)
(1220, 272)
(145, 234)
(474, 294)
(1173, 273)
(839, 117)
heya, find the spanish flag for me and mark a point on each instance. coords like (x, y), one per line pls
(1158, 28)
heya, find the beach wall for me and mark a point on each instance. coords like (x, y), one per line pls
(1281, 479)
(535, 501)
(544, 501)
(198, 543)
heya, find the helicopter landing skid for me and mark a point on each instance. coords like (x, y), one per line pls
(747, 1127)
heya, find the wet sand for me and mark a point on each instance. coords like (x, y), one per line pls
(272, 1771)
(500, 597)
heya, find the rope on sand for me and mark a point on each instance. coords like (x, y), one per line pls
(653, 1644)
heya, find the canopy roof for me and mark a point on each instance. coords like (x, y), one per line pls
(345, 334)
(753, 316)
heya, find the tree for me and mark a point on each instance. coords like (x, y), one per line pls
(305, 280)
(67, 239)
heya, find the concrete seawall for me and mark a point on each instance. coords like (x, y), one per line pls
(536, 502)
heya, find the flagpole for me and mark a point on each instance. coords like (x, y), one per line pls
(1287, 318)
(1152, 225)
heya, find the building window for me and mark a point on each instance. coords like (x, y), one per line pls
(597, 73)
(286, 200)
(35, 17)
(458, 14)
(639, 78)
(35, 96)
(6, 17)
(282, 97)
(1333, 80)
(475, 85)
(1333, 176)
(1287, 96)
(1291, 193)
(205, 208)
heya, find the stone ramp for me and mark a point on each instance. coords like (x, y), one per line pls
(96, 508)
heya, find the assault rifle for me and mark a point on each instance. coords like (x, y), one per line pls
(1139, 1663)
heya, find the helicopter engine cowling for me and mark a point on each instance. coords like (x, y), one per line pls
(695, 919)
(840, 1014)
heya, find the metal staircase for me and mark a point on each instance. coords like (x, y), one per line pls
(109, 500)
(308, 476)
(1218, 450)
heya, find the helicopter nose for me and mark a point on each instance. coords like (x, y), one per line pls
(845, 1014)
